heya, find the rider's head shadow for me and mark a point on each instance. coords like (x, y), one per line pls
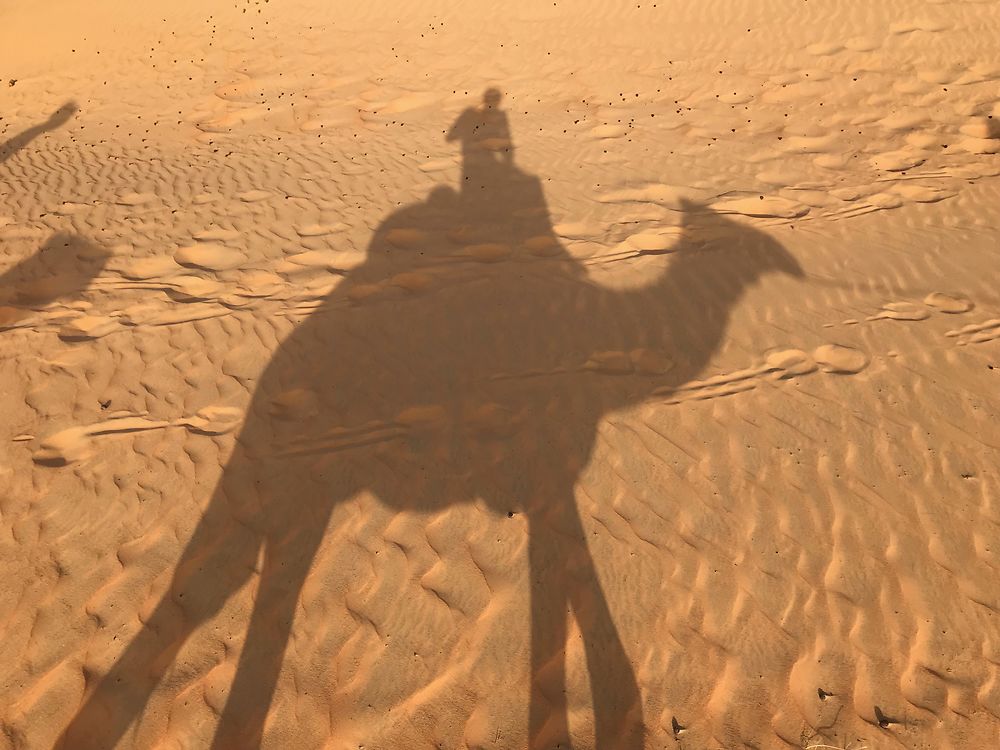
(56, 120)
(487, 150)
(60, 271)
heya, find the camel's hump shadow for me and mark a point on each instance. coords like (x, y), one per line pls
(471, 350)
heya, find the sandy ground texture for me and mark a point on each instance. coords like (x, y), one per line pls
(586, 374)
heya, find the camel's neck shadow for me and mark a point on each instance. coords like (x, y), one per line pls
(58, 118)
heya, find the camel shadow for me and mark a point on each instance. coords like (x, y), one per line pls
(56, 120)
(469, 357)
(62, 269)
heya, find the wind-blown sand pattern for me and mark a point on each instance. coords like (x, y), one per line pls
(494, 376)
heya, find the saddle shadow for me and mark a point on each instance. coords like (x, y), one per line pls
(56, 120)
(469, 357)
(62, 269)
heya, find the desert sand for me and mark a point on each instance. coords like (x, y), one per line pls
(592, 374)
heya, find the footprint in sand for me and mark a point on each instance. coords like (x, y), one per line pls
(75, 444)
(901, 311)
(637, 361)
(608, 131)
(68, 208)
(923, 193)
(437, 165)
(210, 257)
(764, 207)
(824, 49)
(142, 269)
(217, 234)
(664, 195)
(976, 333)
(783, 364)
(88, 327)
(405, 238)
(486, 252)
(839, 359)
(254, 196)
(919, 24)
(948, 303)
(319, 230)
(951, 304)
(135, 199)
(193, 289)
(337, 261)
(579, 230)
(898, 161)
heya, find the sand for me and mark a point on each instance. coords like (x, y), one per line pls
(479, 375)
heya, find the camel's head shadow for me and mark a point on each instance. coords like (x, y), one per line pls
(730, 252)
(56, 120)
(62, 115)
(61, 270)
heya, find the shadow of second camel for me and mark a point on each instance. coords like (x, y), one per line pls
(469, 357)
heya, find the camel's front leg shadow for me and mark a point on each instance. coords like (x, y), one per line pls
(563, 579)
